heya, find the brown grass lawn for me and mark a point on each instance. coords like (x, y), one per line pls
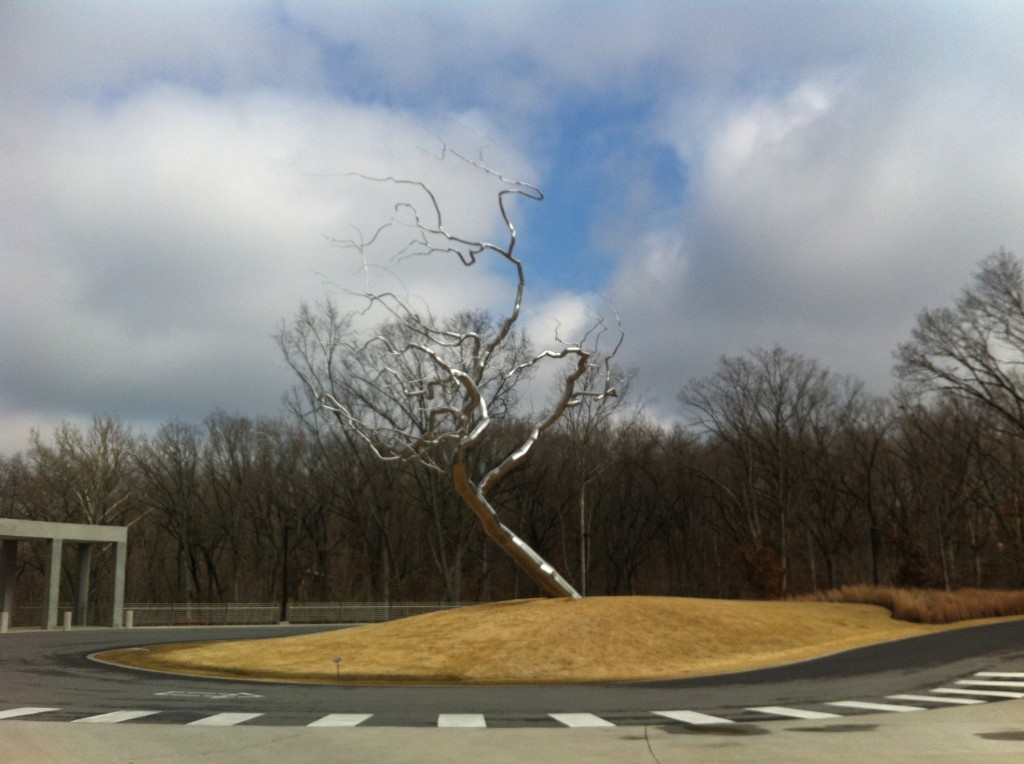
(546, 641)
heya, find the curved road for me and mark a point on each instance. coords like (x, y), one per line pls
(48, 676)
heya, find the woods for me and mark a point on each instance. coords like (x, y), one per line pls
(790, 480)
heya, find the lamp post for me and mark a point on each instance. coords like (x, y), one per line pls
(284, 574)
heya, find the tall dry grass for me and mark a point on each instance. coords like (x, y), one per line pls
(929, 605)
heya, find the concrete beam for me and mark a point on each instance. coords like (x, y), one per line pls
(72, 532)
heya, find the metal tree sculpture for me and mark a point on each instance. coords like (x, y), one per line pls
(420, 390)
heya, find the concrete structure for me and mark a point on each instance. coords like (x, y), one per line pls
(83, 537)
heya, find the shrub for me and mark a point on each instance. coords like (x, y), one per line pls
(929, 605)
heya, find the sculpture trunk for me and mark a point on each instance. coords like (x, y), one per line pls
(538, 569)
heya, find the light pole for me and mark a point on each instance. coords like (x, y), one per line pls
(284, 574)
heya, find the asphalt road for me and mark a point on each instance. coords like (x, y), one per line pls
(53, 670)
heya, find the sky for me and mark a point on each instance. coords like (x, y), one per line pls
(722, 176)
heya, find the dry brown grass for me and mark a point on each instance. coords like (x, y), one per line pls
(930, 605)
(547, 641)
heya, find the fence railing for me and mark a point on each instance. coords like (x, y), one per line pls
(246, 614)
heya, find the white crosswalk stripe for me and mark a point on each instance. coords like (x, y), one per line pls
(979, 693)
(936, 699)
(873, 706)
(116, 717)
(340, 720)
(461, 720)
(694, 717)
(989, 683)
(1002, 674)
(581, 720)
(223, 720)
(13, 713)
(793, 713)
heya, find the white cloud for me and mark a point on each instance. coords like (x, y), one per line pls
(158, 241)
(843, 166)
(57, 50)
(823, 217)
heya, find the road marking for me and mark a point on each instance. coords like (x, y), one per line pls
(208, 695)
(693, 717)
(461, 720)
(982, 693)
(222, 720)
(116, 717)
(340, 720)
(873, 706)
(793, 713)
(933, 699)
(1002, 674)
(989, 683)
(983, 687)
(581, 720)
(27, 711)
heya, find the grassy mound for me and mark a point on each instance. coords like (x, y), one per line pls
(546, 641)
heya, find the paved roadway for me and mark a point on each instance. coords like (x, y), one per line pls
(47, 678)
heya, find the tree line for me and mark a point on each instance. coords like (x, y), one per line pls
(780, 478)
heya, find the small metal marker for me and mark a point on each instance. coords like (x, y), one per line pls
(337, 666)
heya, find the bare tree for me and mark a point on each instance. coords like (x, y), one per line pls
(87, 475)
(417, 389)
(975, 350)
(762, 412)
(589, 426)
(168, 465)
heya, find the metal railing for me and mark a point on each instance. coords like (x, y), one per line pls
(250, 614)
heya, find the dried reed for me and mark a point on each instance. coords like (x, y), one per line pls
(929, 605)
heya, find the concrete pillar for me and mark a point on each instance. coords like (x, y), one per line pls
(8, 560)
(82, 584)
(117, 608)
(51, 589)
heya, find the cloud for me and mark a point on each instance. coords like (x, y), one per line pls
(796, 173)
(104, 50)
(155, 243)
(823, 217)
